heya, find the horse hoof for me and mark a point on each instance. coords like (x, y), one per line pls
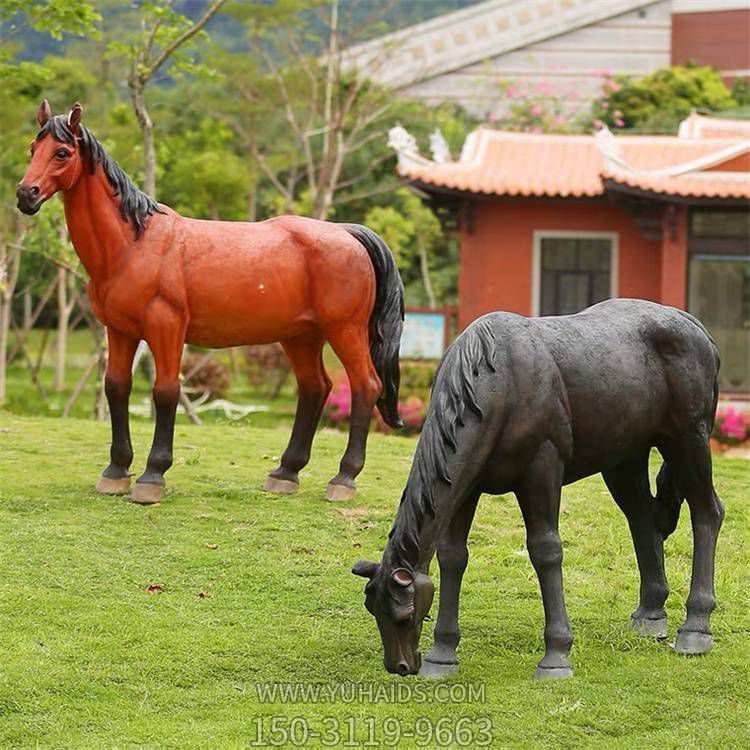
(692, 643)
(652, 628)
(147, 494)
(108, 486)
(340, 492)
(553, 673)
(433, 670)
(281, 486)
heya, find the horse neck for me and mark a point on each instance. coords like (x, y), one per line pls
(416, 532)
(97, 229)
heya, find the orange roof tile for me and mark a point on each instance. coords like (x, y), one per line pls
(695, 184)
(496, 162)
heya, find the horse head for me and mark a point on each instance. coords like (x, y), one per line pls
(56, 158)
(399, 599)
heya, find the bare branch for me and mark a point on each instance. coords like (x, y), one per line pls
(269, 173)
(377, 191)
(184, 37)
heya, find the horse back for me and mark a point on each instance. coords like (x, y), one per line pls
(600, 384)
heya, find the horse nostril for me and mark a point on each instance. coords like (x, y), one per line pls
(402, 668)
(34, 191)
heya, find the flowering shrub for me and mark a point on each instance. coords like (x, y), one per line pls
(338, 406)
(534, 108)
(338, 410)
(412, 412)
(659, 101)
(731, 425)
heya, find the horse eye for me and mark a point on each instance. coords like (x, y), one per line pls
(62, 154)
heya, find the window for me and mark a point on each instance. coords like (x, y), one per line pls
(573, 271)
(719, 287)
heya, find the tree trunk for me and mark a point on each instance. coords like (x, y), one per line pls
(63, 320)
(425, 269)
(10, 263)
(100, 403)
(27, 303)
(138, 95)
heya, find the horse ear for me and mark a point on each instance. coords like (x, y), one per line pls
(43, 113)
(403, 577)
(365, 568)
(74, 118)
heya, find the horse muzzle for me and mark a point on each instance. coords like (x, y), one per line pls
(29, 201)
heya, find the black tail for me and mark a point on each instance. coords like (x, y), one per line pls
(386, 321)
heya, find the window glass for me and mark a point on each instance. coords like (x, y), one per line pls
(719, 295)
(575, 273)
(720, 223)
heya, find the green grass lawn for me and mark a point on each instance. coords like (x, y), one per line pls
(91, 658)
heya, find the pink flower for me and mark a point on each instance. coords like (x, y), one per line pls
(619, 122)
(598, 124)
(536, 110)
(339, 403)
(613, 85)
(732, 424)
(543, 87)
(617, 113)
(605, 105)
(512, 92)
(561, 120)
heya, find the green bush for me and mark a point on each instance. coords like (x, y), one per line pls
(416, 378)
(659, 101)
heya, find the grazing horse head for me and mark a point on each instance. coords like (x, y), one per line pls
(399, 600)
(56, 161)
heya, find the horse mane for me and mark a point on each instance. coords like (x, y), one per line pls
(135, 205)
(453, 399)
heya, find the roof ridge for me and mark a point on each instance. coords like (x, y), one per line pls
(429, 49)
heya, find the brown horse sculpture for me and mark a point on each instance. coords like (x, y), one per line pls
(166, 279)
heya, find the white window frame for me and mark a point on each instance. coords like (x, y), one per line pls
(536, 269)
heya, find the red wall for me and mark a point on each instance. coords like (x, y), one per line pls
(718, 38)
(497, 251)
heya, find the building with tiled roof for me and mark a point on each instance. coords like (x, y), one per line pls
(550, 224)
(561, 47)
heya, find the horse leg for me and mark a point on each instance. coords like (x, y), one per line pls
(313, 387)
(351, 345)
(706, 515)
(115, 479)
(629, 486)
(539, 498)
(453, 557)
(166, 339)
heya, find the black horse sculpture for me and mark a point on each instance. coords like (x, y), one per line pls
(525, 406)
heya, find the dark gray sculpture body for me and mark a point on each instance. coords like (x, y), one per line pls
(527, 405)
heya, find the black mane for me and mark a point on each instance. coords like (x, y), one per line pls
(453, 398)
(135, 205)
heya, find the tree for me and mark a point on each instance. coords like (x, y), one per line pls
(163, 36)
(315, 112)
(659, 101)
(409, 227)
(55, 17)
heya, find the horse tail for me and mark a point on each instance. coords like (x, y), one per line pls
(668, 500)
(386, 320)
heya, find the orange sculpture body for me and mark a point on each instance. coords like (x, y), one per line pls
(169, 280)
